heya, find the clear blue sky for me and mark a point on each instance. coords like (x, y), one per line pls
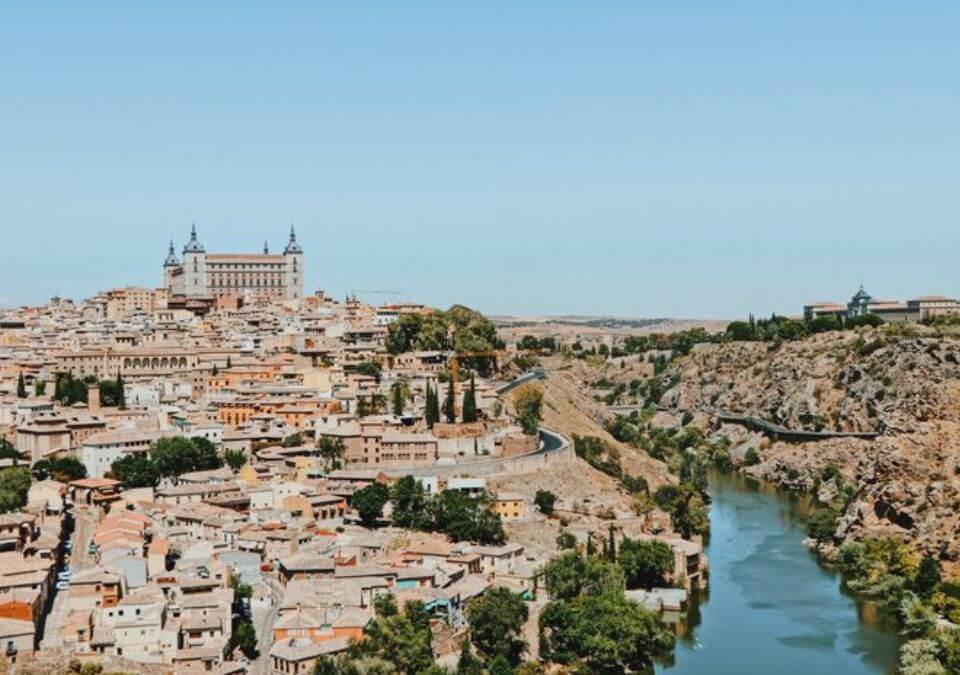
(699, 159)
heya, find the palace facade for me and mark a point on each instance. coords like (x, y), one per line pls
(256, 276)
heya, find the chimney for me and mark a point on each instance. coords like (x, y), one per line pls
(93, 398)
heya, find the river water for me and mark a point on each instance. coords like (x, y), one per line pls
(771, 608)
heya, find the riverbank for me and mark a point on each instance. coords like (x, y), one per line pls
(771, 606)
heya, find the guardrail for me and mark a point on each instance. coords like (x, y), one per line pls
(523, 379)
(554, 448)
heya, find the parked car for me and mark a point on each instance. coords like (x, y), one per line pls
(62, 585)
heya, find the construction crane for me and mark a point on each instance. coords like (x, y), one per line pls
(395, 294)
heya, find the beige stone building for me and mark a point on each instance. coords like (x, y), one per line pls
(258, 276)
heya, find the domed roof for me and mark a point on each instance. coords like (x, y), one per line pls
(193, 246)
(292, 245)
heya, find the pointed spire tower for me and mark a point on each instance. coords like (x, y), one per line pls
(266, 249)
(293, 256)
(171, 260)
(193, 246)
(292, 245)
(194, 266)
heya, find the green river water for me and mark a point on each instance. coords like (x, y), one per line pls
(771, 608)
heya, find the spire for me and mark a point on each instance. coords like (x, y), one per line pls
(193, 246)
(171, 260)
(266, 249)
(292, 246)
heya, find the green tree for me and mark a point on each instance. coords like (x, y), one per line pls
(928, 576)
(135, 471)
(450, 405)
(689, 515)
(470, 402)
(606, 634)
(235, 459)
(121, 393)
(245, 637)
(173, 456)
(571, 574)
(496, 624)
(370, 369)
(399, 397)
(332, 450)
(409, 503)
(823, 524)
(432, 410)
(369, 502)
(7, 451)
(206, 458)
(468, 663)
(645, 563)
(528, 403)
(465, 518)
(402, 639)
(67, 468)
(545, 501)
(21, 386)
(292, 440)
(14, 485)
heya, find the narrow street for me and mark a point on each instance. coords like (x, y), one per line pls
(265, 628)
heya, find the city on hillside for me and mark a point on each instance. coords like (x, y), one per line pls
(226, 474)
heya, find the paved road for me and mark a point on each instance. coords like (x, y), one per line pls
(265, 628)
(82, 536)
(79, 558)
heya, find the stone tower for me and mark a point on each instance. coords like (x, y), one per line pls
(293, 256)
(194, 266)
(170, 265)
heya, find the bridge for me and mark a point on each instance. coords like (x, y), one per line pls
(523, 379)
(775, 431)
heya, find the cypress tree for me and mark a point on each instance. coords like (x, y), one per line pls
(613, 545)
(121, 396)
(397, 400)
(229, 362)
(470, 402)
(450, 404)
(21, 387)
(590, 548)
(430, 412)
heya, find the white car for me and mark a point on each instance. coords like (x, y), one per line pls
(62, 585)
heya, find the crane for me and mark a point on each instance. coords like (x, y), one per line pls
(395, 294)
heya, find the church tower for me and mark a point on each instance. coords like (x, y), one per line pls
(293, 257)
(170, 266)
(194, 266)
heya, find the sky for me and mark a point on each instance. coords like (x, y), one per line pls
(645, 159)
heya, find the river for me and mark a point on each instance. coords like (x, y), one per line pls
(771, 608)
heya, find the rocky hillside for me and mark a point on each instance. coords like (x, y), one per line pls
(904, 384)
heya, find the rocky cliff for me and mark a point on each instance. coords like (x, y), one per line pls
(902, 383)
